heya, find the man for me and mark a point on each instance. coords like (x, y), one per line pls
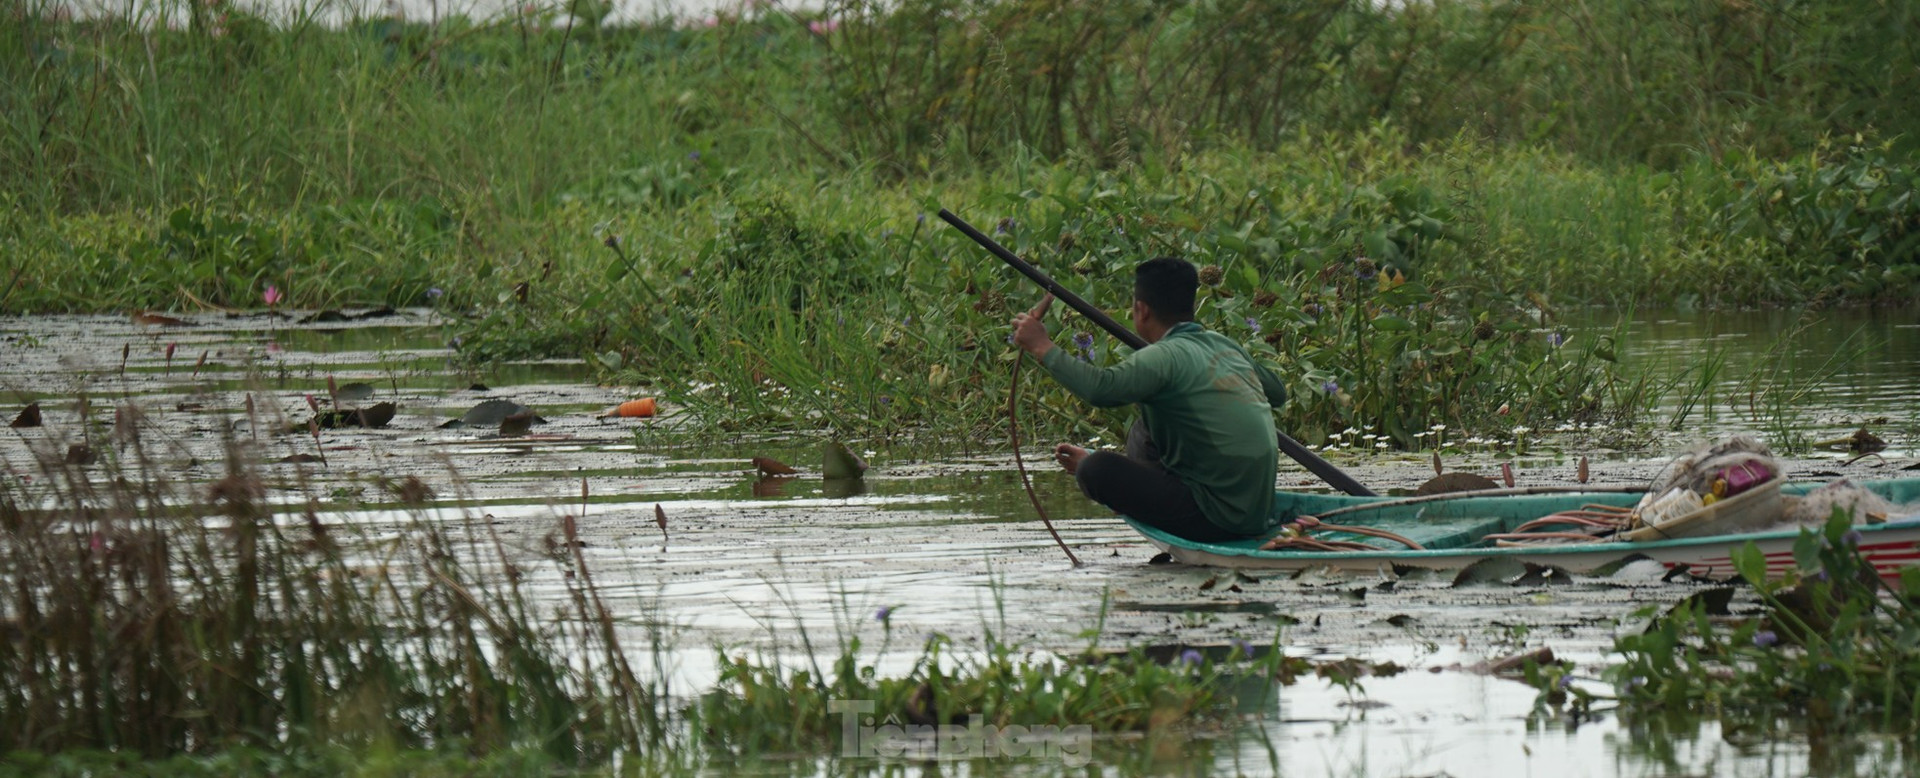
(1201, 458)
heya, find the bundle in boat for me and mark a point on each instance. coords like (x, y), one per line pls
(1727, 488)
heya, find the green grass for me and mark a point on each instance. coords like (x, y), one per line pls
(160, 625)
(153, 616)
(766, 181)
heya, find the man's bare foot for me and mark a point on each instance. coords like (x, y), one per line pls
(1069, 456)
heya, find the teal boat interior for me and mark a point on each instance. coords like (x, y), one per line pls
(1453, 524)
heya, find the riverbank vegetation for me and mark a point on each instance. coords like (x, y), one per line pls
(1402, 207)
(1829, 654)
(159, 624)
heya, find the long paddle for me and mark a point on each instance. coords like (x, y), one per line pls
(1334, 476)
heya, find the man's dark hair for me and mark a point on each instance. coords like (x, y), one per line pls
(1167, 285)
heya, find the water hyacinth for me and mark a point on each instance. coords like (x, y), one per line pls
(1556, 339)
(1191, 657)
(1765, 638)
(1212, 276)
(1253, 324)
(1330, 387)
(1365, 269)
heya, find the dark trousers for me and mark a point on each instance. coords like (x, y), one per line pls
(1136, 485)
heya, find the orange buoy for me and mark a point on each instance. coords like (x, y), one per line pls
(640, 408)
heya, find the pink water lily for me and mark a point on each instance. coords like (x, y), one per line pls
(272, 295)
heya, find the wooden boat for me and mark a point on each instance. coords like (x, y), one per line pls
(1452, 529)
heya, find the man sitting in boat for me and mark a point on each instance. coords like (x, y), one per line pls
(1201, 457)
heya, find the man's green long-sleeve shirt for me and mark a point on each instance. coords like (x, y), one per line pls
(1208, 406)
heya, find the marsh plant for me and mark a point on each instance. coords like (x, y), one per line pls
(1834, 653)
(206, 620)
(736, 208)
(762, 704)
(151, 615)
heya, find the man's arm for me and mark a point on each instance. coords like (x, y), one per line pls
(1129, 382)
(1030, 330)
(1138, 378)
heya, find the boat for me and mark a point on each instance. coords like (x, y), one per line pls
(1452, 530)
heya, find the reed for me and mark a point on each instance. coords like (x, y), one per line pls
(155, 616)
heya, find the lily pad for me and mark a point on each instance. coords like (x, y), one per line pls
(29, 417)
(1490, 571)
(491, 413)
(357, 391)
(1447, 483)
(771, 466)
(1543, 575)
(371, 417)
(518, 424)
(150, 319)
(841, 463)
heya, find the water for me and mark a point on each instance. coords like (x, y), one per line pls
(1818, 375)
(946, 540)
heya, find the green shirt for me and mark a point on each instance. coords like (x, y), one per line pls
(1207, 405)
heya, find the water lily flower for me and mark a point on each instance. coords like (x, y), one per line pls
(272, 295)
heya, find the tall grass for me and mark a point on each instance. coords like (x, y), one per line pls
(765, 180)
(154, 616)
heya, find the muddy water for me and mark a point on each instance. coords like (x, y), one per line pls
(944, 540)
